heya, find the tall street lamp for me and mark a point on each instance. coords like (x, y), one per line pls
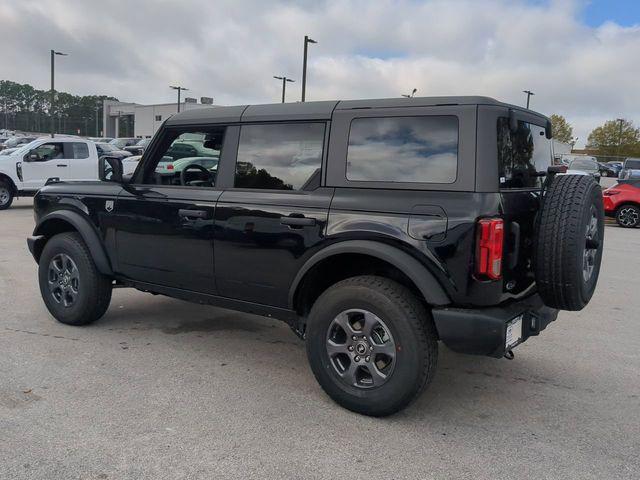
(53, 91)
(179, 89)
(529, 93)
(284, 84)
(621, 123)
(97, 110)
(307, 41)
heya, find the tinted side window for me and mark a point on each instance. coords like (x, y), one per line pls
(403, 149)
(77, 150)
(521, 154)
(280, 156)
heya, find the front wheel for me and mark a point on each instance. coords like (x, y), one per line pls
(371, 344)
(628, 216)
(6, 195)
(73, 289)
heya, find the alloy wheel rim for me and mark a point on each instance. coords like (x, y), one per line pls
(628, 217)
(361, 349)
(592, 243)
(63, 280)
(4, 196)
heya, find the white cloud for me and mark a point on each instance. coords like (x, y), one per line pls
(231, 49)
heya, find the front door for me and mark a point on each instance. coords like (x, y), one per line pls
(275, 214)
(164, 221)
(48, 160)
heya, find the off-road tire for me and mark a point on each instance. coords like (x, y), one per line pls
(8, 194)
(624, 220)
(569, 206)
(410, 325)
(94, 290)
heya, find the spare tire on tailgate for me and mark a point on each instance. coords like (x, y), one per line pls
(569, 241)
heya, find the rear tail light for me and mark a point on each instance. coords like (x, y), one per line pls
(489, 243)
(170, 166)
(608, 193)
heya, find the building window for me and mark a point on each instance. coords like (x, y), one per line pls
(158, 118)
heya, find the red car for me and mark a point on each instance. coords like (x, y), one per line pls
(622, 201)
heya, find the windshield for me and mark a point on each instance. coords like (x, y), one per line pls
(583, 164)
(633, 163)
(522, 154)
(24, 149)
(107, 147)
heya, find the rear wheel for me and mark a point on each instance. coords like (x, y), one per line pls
(72, 288)
(628, 216)
(6, 195)
(371, 344)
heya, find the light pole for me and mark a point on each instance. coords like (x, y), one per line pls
(307, 41)
(179, 89)
(621, 122)
(284, 84)
(410, 95)
(97, 110)
(529, 93)
(53, 91)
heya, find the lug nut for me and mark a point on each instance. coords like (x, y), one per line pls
(354, 338)
(371, 347)
(367, 358)
(357, 359)
(350, 348)
(363, 337)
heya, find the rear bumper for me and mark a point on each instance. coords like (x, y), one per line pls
(483, 331)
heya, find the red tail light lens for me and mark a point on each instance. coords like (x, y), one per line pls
(490, 239)
(170, 166)
(610, 192)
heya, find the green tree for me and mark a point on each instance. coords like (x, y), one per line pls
(615, 137)
(27, 109)
(562, 130)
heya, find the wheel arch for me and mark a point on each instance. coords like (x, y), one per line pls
(68, 221)
(409, 270)
(6, 178)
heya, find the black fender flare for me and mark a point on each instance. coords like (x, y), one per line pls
(424, 280)
(86, 230)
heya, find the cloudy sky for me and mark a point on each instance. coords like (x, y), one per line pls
(580, 57)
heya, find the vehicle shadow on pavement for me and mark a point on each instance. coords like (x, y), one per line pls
(461, 384)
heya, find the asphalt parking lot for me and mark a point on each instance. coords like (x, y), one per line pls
(160, 388)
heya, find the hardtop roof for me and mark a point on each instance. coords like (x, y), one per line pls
(317, 110)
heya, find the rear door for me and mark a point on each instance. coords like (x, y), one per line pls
(82, 161)
(515, 163)
(274, 212)
(47, 160)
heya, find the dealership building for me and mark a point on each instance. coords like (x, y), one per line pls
(142, 121)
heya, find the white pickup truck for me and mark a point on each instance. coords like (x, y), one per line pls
(26, 170)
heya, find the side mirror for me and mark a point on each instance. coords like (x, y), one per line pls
(32, 157)
(110, 169)
(548, 130)
(513, 121)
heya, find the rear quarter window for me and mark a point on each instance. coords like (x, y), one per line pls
(403, 149)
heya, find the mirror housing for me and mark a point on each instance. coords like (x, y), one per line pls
(513, 121)
(110, 169)
(31, 157)
(548, 130)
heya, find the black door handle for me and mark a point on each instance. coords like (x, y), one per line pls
(61, 165)
(298, 221)
(185, 212)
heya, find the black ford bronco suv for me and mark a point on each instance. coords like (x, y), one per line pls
(374, 228)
